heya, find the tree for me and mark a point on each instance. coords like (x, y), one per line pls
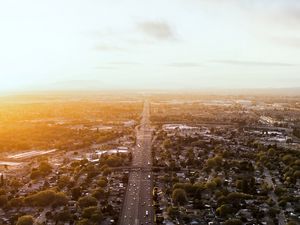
(292, 223)
(218, 181)
(296, 174)
(42, 198)
(211, 185)
(1, 180)
(25, 220)
(224, 210)
(64, 215)
(16, 183)
(3, 200)
(2, 191)
(233, 222)
(76, 192)
(99, 193)
(46, 198)
(16, 202)
(35, 174)
(211, 163)
(271, 152)
(93, 213)
(45, 168)
(167, 143)
(172, 211)
(102, 183)
(83, 222)
(237, 196)
(179, 196)
(87, 201)
(63, 181)
(60, 199)
(106, 171)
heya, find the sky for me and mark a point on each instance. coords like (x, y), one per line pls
(157, 44)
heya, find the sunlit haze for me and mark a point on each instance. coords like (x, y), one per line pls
(157, 44)
(158, 112)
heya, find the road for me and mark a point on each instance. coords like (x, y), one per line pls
(272, 195)
(138, 206)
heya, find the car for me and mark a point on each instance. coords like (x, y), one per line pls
(147, 213)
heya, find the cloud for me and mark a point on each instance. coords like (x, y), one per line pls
(108, 48)
(278, 12)
(294, 13)
(293, 42)
(252, 63)
(103, 33)
(124, 63)
(185, 64)
(282, 11)
(105, 67)
(157, 30)
(115, 65)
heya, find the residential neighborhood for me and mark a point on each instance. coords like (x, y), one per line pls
(211, 161)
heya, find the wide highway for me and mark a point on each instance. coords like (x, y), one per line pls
(138, 205)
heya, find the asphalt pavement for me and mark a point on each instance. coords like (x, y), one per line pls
(138, 204)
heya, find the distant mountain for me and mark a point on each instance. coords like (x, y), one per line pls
(83, 86)
(77, 85)
(295, 91)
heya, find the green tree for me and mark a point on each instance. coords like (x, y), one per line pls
(2, 191)
(45, 168)
(35, 174)
(292, 223)
(16, 202)
(106, 171)
(92, 213)
(224, 210)
(25, 220)
(83, 222)
(63, 215)
(3, 200)
(218, 181)
(211, 185)
(76, 192)
(41, 199)
(233, 222)
(60, 199)
(211, 163)
(102, 183)
(63, 181)
(99, 193)
(179, 196)
(46, 198)
(87, 201)
(172, 211)
(167, 143)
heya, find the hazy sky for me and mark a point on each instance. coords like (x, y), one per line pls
(193, 44)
